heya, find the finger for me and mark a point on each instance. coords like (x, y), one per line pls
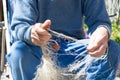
(40, 30)
(45, 38)
(92, 44)
(37, 41)
(99, 51)
(43, 33)
(95, 42)
(46, 24)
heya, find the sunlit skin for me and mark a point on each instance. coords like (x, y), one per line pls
(97, 45)
(39, 33)
(98, 42)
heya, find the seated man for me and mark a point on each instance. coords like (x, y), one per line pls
(29, 23)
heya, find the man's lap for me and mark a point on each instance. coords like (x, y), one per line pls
(21, 49)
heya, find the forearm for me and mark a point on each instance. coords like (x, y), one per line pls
(23, 19)
(96, 15)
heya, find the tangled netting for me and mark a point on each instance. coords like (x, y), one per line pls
(49, 70)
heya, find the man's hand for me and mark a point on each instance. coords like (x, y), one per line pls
(39, 33)
(98, 42)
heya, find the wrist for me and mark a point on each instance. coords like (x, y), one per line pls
(105, 28)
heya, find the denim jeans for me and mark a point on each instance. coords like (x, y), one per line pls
(24, 59)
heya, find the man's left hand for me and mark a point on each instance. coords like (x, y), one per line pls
(98, 42)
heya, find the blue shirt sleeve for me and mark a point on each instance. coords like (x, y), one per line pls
(25, 14)
(95, 15)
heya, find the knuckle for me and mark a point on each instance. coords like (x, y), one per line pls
(33, 40)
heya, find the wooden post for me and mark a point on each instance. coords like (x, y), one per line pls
(3, 49)
(3, 2)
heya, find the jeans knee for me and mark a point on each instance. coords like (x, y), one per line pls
(23, 59)
(19, 50)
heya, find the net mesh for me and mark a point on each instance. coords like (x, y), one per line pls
(49, 70)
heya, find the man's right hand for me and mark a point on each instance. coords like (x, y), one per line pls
(39, 33)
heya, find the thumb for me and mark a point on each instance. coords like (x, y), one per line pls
(46, 24)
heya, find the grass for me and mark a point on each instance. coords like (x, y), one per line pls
(115, 32)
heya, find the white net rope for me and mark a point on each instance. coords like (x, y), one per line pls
(49, 70)
(113, 9)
